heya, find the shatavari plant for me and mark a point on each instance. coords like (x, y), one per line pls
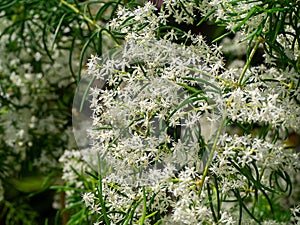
(187, 112)
(44, 46)
(185, 130)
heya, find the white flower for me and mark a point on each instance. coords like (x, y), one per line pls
(89, 199)
(37, 56)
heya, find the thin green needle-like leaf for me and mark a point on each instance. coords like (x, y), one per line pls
(221, 37)
(57, 30)
(100, 196)
(144, 207)
(82, 53)
(200, 80)
(206, 17)
(85, 94)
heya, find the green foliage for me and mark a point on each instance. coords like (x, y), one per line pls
(17, 212)
(45, 46)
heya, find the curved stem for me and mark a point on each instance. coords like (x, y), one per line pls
(211, 155)
(86, 18)
(142, 221)
(259, 40)
(77, 11)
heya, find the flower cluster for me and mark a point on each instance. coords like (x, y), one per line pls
(35, 92)
(133, 114)
(31, 118)
(268, 98)
(164, 113)
(274, 22)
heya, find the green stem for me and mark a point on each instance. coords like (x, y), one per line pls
(77, 11)
(102, 202)
(144, 207)
(211, 155)
(87, 19)
(259, 40)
